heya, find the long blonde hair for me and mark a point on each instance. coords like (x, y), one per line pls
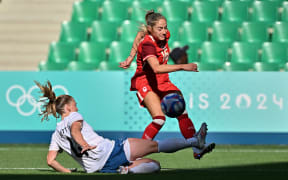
(51, 104)
(151, 18)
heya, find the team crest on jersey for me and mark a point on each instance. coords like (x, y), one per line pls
(165, 54)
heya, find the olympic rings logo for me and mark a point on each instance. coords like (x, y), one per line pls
(27, 97)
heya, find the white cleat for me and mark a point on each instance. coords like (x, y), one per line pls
(123, 170)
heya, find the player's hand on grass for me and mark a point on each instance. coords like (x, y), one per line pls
(73, 170)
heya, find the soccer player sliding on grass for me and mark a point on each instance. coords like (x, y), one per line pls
(151, 79)
(95, 153)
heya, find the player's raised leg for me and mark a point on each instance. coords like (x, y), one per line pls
(152, 103)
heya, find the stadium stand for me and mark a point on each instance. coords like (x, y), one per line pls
(244, 55)
(235, 25)
(27, 27)
(86, 11)
(114, 11)
(128, 30)
(92, 53)
(118, 52)
(205, 11)
(104, 32)
(235, 11)
(175, 10)
(226, 32)
(193, 32)
(73, 32)
(213, 55)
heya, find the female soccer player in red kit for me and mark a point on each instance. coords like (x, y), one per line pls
(151, 79)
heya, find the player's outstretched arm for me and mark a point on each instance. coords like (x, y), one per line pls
(126, 64)
(78, 137)
(51, 161)
(167, 68)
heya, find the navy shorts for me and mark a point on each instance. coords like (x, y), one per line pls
(117, 158)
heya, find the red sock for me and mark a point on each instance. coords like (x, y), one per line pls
(153, 128)
(186, 126)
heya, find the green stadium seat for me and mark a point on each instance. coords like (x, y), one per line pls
(243, 56)
(80, 66)
(133, 66)
(284, 14)
(193, 32)
(85, 11)
(73, 32)
(139, 9)
(101, 1)
(250, 2)
(172, 0)
(278, 2)
(173, 27)
(219, 2)
(260, 67)
(128, 30)
(104, 32)
(119, 51)
(213, 55)
(280, 32)
(264, 11)
(175, 10)
(226, 32)
(204, 11)
(92, 53)
(51, 66)
(115, 11)
(129, 1)
(228, 66)
(286, 67)
(246, 53)
(60, 52)
(235, 11)
(152, 0)
(254, 32)
(103, 66)
(273, 52)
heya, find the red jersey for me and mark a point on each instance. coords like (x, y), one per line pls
(144, 74)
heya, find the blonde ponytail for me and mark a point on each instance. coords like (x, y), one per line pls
(52, 104)
(48, 99)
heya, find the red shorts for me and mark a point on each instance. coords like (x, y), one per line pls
(161, 90)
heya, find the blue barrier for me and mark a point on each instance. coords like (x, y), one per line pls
(239, 107)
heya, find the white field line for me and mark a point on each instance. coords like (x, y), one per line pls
(25, 168)
(24, 149)
(165, 169)
(35, 169)
(252, 150)
(215, 150)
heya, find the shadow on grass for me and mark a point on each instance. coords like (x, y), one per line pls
(257, 171)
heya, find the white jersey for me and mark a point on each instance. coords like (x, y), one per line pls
(93, 160)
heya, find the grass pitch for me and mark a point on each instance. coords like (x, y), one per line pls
(18, 161)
